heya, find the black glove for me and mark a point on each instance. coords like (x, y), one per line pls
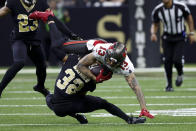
(74, 37)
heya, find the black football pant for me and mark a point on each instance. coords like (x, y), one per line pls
(82, 104)
(22, 49)
(62, 46)
(173, 55)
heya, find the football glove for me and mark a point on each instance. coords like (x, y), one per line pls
(101, 77)
(145, 112)
(73, 36)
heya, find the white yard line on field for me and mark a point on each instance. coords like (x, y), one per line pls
(116, 90)
(176, 89)
(107, 97)
(137, 70)
(95, 124)
(175, 112)
(171, 104)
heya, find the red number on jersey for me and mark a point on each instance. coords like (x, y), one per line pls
(101, 51)
(124, 65)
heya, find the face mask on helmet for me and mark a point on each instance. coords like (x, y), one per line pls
(28, 2)
(116, 54)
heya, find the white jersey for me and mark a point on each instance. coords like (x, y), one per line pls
(99, 48)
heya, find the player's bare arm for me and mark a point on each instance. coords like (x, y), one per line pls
(4, 11)
(154, 29)
(191, 28)
(133, 83)
(84, 63)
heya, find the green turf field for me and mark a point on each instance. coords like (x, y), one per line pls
(22, 109)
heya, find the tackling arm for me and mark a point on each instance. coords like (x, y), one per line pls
(84, 63)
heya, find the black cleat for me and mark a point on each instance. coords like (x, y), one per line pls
(169, 89)
(82, 119)
(179, 80)
(136, 120)
(41, 90)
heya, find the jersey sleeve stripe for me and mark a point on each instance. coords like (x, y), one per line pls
(75, 42)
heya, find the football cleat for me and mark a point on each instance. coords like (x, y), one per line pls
(81, 118)
(169, 89)
(179, 80)
(136, 120)
(41, 15)
(41, 90)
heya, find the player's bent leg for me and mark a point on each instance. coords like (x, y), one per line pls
(179, 62)
(19, 55)
(168, 64)
(76, 47)
(93, 103)
(38, 59)
(10, 74)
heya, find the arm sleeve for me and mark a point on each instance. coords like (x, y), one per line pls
(45, 5)
(155, 17)
(9, 4)
(186, 11)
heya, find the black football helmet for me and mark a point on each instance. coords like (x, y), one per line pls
(28, 2)
(116, 53)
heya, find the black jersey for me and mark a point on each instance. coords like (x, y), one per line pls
(25, 28)
(173, 18)
(72, 82)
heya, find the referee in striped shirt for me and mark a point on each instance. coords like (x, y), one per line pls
(173, 15)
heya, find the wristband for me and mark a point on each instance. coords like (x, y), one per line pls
(192, 33)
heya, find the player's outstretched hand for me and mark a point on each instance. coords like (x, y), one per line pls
(74, 37)
(145, 112)
(101, 77)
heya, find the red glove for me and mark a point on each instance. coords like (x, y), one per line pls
(100, 78)
(146, 113)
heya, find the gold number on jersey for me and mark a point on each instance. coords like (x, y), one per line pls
(24, 23)
(71, 88)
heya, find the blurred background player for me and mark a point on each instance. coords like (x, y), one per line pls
(113, 55)
(26, 41)
(173, 15)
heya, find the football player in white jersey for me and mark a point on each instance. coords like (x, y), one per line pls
(113, 55)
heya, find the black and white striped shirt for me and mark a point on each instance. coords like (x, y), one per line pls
(172, 18)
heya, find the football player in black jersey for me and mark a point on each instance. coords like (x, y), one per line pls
(115, 57)
(70, 97)
(25, 40)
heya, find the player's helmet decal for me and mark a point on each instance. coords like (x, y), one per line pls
(117, 53)
(29, 2)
